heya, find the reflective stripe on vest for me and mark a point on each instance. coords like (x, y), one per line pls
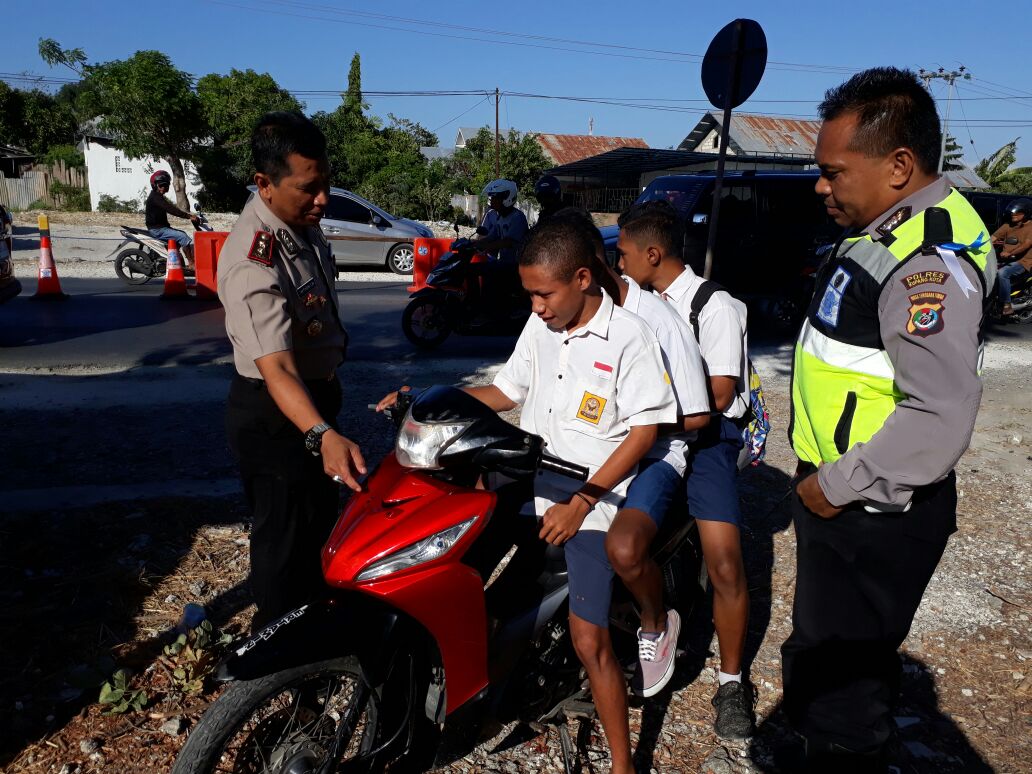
(843, 386)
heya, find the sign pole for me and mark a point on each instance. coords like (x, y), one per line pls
(733, 77)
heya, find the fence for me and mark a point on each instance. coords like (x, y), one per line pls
(37, 185)
(603, 199)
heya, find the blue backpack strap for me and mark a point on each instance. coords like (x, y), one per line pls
(702, 297)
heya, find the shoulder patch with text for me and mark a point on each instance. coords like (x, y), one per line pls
(926, 313)
(591, 408)
(911, 281)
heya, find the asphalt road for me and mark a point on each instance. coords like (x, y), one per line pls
(108, 325)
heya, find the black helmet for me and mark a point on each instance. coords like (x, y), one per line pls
(161, 177)
(548, 185)
(1024, 206)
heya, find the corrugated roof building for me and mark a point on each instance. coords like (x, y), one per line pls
(568, 148)
(754, 135)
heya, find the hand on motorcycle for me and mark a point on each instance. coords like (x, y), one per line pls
(562, 521)
(390, 399)
(342, 459)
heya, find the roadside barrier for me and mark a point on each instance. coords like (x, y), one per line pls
(175, 280)
(49, 286)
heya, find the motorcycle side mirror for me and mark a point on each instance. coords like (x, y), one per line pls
(455, 226)
(700, 219)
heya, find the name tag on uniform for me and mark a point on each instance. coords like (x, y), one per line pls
(603, 370)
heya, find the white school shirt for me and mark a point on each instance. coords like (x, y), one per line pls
(723, 337)
(683, 363)
(583, 392)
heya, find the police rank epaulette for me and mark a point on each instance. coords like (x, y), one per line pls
(261, 248)
(287, 242)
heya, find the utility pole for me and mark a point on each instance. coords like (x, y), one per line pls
(498, 138)
(950, 78)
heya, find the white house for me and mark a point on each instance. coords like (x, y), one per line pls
(110, 172)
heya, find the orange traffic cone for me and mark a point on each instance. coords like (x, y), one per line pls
(49, 286)
(175, 280)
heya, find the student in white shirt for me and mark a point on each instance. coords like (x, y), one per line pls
(661, 473)
(591, 381)
(650, 245)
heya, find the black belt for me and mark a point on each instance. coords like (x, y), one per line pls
(260, 383)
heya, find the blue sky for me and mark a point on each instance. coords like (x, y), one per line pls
(308, 44)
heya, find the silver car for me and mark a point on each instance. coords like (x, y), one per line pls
(362, 233)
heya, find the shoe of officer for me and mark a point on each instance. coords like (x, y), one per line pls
(734, 704)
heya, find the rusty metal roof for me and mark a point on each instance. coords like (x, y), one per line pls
(759, 135)
(568, 148)
(965, 177)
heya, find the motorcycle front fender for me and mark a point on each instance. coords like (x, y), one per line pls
(347, 625)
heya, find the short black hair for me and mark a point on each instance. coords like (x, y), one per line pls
(281, 133)
(581, 219)
(893, 110)
(562, 246)
(656, 223)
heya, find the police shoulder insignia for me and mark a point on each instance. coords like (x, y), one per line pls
(925, 316)
(261, 248)
(591, 408)
(911, 281)
(894, 220)
(289, 245)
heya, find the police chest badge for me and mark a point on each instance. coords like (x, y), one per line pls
(591, 408)
(831, 301)
(261, 248)
(926, 311)
(315, 327)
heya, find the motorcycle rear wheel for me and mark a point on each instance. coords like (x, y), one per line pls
(426, 322)
(135, 266)
(285, 722)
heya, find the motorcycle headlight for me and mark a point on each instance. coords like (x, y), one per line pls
(425, 550)
(420, 444)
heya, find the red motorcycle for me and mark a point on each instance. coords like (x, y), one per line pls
(408, 661)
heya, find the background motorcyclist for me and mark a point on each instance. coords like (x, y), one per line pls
(157, 211)
(501, 236)
(1013, 241)
(549, 193)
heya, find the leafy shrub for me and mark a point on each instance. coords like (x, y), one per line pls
(110, 203)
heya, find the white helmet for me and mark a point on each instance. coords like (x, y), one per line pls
(500, 186)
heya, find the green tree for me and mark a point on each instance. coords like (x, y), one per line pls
(231, 106)
(999, 172)
(144, 102)
(34, 120)
(953, 158)
(521, 160)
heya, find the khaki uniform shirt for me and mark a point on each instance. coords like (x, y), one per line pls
(277, 286)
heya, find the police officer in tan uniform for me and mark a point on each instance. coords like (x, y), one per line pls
(276, 282)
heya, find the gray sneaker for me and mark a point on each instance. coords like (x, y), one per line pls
(734, 703)
(656, 658)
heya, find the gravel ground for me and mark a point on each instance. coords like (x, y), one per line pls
(967, 670)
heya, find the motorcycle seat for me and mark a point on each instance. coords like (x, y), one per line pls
(140, 231)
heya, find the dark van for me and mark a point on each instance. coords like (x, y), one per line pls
(770, 229)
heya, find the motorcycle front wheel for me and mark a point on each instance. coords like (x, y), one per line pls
(426, 322)
(136, 267)
(286, 723)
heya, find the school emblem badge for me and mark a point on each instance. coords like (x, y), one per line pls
(926, 313)
(591, 408)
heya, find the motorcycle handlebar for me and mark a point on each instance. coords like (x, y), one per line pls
(563, 468)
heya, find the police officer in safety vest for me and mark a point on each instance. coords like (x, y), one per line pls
(885, 390)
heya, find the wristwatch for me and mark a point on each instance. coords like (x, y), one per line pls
(313, 438)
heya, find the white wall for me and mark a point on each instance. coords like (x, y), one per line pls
(111, 173)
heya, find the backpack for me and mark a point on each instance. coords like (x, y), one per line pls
(754, 434)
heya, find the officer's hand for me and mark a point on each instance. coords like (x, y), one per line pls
(389, 400)
(810, 492)
(342, 459)
(195, 218)
(562, 521)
